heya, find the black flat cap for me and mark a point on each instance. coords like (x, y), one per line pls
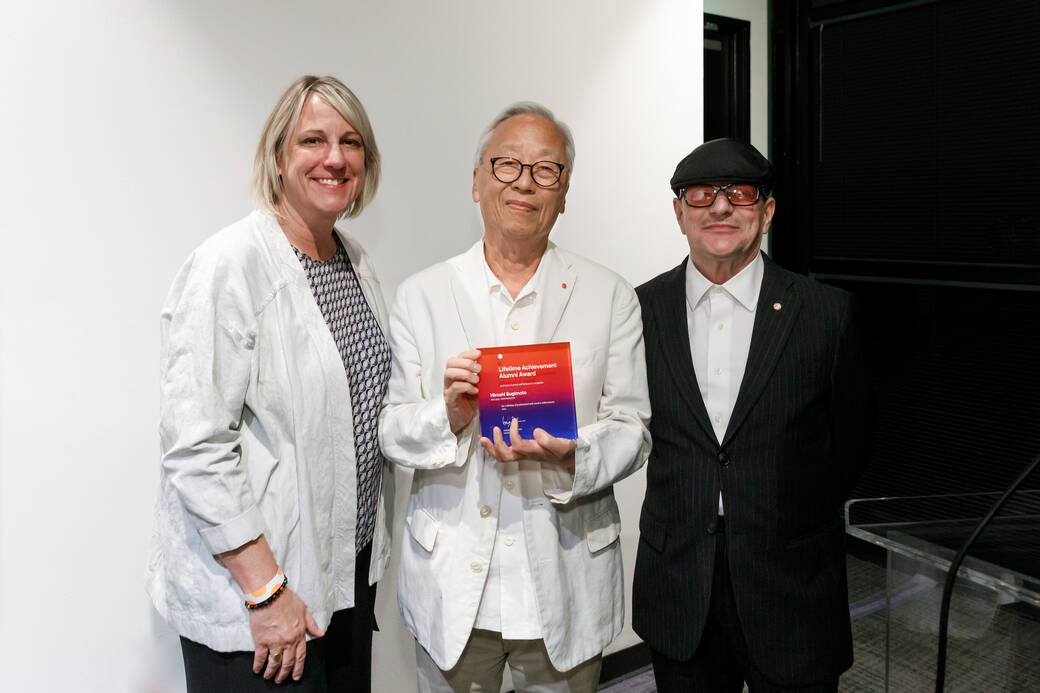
(723, 161)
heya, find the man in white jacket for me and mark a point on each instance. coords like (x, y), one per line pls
(511, 553)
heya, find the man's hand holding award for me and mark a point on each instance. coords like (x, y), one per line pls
(523, 390)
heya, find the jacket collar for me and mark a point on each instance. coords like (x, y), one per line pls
(558, 277)
(776, 314)
(671, 318)
(282, 255)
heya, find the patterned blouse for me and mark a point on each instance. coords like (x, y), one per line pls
(366, 358)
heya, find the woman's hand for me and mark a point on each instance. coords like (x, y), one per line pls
(280, 636)
(280, 628)
(460, 389)
(542, 447)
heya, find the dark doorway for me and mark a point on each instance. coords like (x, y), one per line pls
(727, 78)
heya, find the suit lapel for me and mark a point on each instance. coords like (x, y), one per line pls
(775, 315)
(671, 318)
(558, 281)
(478, 332)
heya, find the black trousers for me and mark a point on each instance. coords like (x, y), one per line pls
(338, 662)
(721, 663)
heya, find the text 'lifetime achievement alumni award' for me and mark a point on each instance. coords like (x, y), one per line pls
(532, 382)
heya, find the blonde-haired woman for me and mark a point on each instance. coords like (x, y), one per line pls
(273, 520)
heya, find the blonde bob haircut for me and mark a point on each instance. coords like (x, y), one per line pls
(267, 184)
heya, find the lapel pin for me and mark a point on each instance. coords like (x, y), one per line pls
(777, 306)
(564, 285)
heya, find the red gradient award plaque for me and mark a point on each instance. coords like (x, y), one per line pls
(533, 383)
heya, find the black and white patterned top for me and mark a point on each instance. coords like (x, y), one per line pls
(366, 358)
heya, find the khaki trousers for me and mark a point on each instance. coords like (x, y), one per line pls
(479, 669)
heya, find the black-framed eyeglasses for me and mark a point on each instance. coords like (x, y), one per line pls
(738, 194)
(544, 173)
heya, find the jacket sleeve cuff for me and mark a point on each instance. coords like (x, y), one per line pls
(558, 484)
(466, 441)
(235, 532)
(419, 436)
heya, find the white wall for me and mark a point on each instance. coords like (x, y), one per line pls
(129, 134)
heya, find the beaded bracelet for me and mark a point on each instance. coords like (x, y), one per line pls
(274, 595)
(268, 593)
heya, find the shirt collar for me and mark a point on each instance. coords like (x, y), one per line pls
(744, 287)
(495, 284)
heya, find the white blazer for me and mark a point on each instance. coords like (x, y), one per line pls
(257, 435)
(571, 522)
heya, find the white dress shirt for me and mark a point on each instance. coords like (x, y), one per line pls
(508, 604)
(720, 321)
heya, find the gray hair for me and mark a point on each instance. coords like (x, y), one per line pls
(526, 108)
(267, 184)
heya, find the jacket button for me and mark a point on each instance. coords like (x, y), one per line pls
(476, 567)
(485, 511)
(724, 459)
(712, 527)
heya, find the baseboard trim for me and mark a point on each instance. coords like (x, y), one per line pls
(620, 664)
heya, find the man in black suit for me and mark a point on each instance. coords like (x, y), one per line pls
(760, 428)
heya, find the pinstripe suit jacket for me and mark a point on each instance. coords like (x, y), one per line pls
(797, 440)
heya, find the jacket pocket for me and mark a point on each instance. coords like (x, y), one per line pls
(653, 531)
(423, 528)
(603, 529)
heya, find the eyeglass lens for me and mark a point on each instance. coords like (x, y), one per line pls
(507, 170)
(739, 194)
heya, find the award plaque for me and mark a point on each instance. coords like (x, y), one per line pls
(533, 383)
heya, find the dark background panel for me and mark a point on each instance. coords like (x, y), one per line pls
(988, 99)
(906, 139)
(957, 377)
(875, 149)
(923, 122)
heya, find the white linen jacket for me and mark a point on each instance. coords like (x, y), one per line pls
(256, 434)
(571, 522)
